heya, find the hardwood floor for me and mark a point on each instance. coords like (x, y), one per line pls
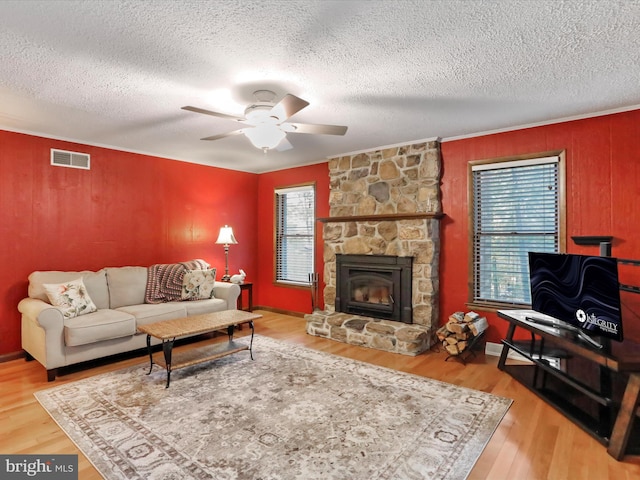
(533, 441)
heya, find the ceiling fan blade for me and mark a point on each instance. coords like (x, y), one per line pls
(209, 112)
(222, 135)
(321, 129)
(284, 145)
(288, 106)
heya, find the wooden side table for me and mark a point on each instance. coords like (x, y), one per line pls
(248, 287)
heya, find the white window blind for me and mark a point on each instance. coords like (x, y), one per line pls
(516, 210)
(295, 234)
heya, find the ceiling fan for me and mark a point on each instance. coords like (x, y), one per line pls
(266, 121)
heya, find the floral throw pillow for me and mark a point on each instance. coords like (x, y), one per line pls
(71, 297)
(198, 284)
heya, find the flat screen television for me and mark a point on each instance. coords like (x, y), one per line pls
(581, 290)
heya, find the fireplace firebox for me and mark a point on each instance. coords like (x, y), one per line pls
(377, 286)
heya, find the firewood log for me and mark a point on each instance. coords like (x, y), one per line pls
(442, 333)
(471, 316)
(456, 348)
(478, 326)
(456, 327)
(452, 349)
(463, 335)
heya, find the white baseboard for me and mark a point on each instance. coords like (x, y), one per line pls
(495, 349)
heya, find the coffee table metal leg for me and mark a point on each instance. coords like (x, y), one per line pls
(251, 342)
(167, 347)
(150, 354)
(230, 331)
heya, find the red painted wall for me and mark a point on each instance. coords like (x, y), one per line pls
(603, 187)
(138, 210)
(129, 209)
(266, 292)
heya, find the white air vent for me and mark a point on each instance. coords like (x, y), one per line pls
(62, 158)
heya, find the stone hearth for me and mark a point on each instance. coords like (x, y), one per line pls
(384, 202)
(369, 332)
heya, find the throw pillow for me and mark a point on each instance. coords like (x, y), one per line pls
(198, 284)
(71, 297)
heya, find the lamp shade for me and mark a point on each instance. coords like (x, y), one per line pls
(265, 136)
(226, 236)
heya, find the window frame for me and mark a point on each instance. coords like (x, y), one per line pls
(524, 160)
(276, 232)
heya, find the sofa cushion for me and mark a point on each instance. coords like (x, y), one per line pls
(148, 313)
(198, 284)
(197, 307)
(126, 285)
(104, 324)
(95, 282)
(71, 297)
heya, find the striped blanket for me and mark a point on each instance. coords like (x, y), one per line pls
(164, 280)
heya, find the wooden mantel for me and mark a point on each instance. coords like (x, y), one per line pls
(382, 217)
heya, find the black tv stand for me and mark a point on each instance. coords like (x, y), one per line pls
(603, 401)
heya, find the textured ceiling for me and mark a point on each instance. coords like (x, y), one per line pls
(115, 73)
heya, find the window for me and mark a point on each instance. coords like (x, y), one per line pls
(517, 207)
(295, 234)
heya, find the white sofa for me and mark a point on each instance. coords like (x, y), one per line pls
(119, 295)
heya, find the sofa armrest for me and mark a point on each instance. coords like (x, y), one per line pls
(43, 332)
(228, 292)
(46, 315)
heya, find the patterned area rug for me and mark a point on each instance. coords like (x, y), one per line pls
(293, 413)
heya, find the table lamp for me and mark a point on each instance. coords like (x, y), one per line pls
(226, 238)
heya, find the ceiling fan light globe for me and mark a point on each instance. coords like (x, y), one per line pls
(265, 137)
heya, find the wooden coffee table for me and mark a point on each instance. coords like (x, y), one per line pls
(169, 330)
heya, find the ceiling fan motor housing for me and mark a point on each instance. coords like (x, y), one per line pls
(260, 113)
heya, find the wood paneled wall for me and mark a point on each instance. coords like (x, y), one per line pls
(129, 209)
(288, 299)
(134, 209)
(603, 189)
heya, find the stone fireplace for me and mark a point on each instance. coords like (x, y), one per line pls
(383, 204)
